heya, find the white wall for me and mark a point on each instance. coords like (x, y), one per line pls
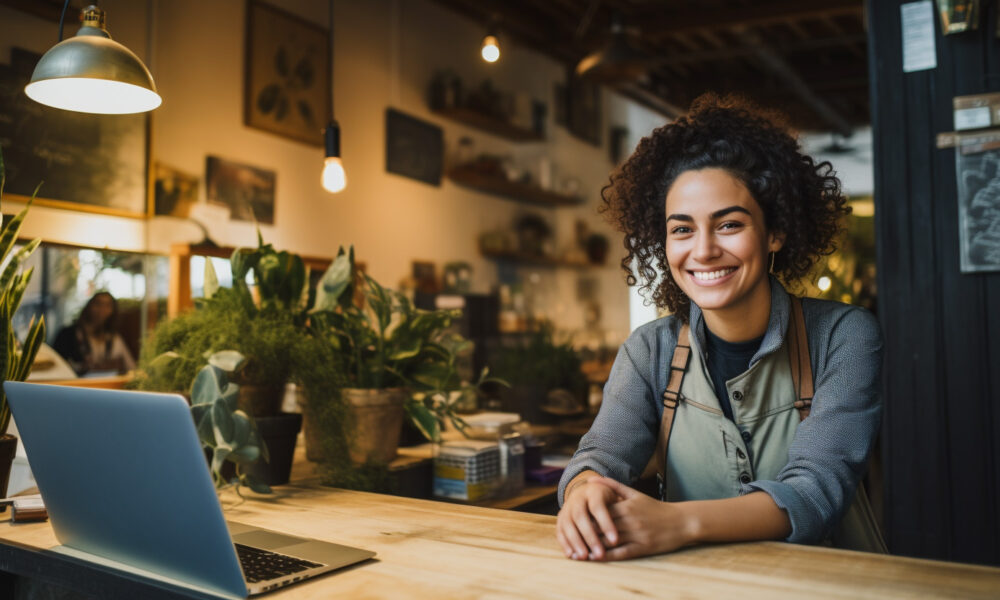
(386, 52)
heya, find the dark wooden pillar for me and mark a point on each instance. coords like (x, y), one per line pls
(941, 434)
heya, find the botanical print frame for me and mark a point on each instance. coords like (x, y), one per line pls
(247, 191)
(85, 162)
(287, 74)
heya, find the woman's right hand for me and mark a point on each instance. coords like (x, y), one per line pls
(584, 519)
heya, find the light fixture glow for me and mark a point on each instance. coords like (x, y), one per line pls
(334, 177)
(824, 283)
(99, 96)
(491, 49)
(92, 73)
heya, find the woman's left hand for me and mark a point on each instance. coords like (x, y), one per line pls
(645, 525)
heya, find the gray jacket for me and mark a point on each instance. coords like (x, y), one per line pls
(829, 452)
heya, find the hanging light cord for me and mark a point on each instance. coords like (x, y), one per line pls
(331, 60)
(62, 19)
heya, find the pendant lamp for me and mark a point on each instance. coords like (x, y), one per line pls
(92, 73)
(617, 61)
(334, 178)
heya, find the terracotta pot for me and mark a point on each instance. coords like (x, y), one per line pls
(260, 400)
(8, 447)
(311, 431)
(378, 418)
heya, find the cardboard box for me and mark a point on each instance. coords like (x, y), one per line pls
(466, 470)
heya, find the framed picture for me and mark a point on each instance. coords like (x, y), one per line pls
(578, 108)
(413, 148)
(977, 167)
(93, 163)
(248, 192)
(287, 80)
(174, 192)
(425, 277)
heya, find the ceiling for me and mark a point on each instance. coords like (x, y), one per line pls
(805, 57)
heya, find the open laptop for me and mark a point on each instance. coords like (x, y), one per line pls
(124, 479)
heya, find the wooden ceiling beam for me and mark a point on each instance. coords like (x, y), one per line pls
(734, 53)
(660, 24)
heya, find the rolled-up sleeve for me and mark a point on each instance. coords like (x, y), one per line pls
(829, 452)
(623, 435)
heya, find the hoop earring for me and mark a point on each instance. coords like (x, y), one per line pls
(771, 269)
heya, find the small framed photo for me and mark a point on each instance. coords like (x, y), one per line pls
(247, 191)
(287, 79)
(413, 148)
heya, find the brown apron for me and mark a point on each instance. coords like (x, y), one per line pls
(858, 529)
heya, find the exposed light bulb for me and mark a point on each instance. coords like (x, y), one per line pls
(824, 283)
(491, 49)
(334, 178)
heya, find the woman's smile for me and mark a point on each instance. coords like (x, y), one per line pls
(713, 277)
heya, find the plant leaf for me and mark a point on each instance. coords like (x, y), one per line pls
(424, 420)
(227, 360)
(211, 279)
(336, 280)
(222, 420)
(205, 388)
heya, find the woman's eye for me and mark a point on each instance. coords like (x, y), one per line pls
(731, 225)
(680, 229)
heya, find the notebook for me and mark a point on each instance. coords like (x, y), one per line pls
(126, 483)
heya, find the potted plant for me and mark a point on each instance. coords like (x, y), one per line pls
(16, 357)
(537, 366)
(267, 330)
(397, 360)
(227, 434)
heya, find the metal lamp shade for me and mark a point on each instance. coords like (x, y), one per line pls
(92, 73)
(617, 61)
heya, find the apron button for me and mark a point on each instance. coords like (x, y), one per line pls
(744, 478)
(746, 436)
(737, 395)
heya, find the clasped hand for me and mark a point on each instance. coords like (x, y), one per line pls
(603, 519)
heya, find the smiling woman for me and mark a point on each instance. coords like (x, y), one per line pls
(719, 396)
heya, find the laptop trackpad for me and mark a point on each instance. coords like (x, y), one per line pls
(266, 540)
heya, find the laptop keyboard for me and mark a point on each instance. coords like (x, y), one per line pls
(261, 565)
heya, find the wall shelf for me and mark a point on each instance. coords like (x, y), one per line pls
(489, 124)
(520, 192)
(533, 260)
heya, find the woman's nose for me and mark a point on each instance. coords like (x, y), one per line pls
(705, 247)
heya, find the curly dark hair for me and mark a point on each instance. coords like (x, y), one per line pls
(800, 198)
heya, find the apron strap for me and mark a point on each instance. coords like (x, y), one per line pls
(798, 357)
(671, 396)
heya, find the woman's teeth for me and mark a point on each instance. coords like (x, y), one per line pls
(710, 275)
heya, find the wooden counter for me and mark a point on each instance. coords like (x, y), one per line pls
(434, 550)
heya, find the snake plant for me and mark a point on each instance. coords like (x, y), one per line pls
(15, 357)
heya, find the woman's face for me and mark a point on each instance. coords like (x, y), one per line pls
(717, 244)
(100, 309)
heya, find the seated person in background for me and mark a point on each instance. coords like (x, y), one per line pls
(92, 342)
